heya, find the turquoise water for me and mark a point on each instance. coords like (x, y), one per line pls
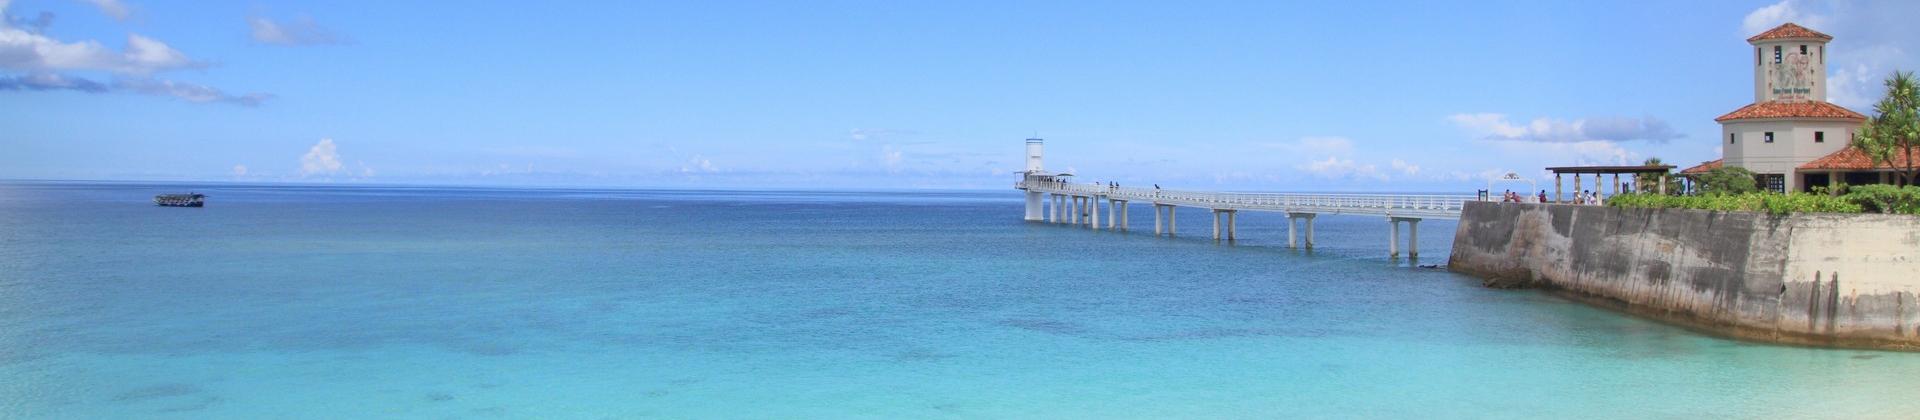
(319, 302)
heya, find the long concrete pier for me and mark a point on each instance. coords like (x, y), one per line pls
(1053, 198)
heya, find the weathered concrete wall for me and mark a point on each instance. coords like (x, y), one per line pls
(1821, 279)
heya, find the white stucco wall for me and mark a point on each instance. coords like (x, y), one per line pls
(1793, 144)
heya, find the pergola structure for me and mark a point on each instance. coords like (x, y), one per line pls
(1598, 171)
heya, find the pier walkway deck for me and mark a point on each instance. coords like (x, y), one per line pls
(1079, 204)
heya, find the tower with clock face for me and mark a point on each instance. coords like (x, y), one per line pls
(1790, 65)
(1790, 137)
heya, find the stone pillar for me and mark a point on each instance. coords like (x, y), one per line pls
(1126, 223)
(1663, 183)
(1576, 183)
(1074, 211)
(1033, 206)
(1216, 223)
(1291, 242)
(1173, 220)
(1616, 186)
(1232, 227)
(1309, 238)
(1556, 187)
(1393, 237)
(1159, 227)
(1413, 238)
(1112, 214)
(1093, 212)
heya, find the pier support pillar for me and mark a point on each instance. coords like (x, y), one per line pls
(1216, 224)
(1174, 221)
(1163, 226)
(1393, 237)
(1113, 214)
(1159, 226)
(1034, 206)
(1074, 208)
(1053, 213)
(1291, 242)
(1093, 212)
(1233, 228)
(1227, 232)
(1126, 221)
(1556, 187)
(1413, 236)
(1306, 218)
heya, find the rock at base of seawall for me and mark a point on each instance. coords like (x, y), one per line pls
(1507, 282)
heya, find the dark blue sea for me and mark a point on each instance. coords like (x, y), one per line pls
(330, 302)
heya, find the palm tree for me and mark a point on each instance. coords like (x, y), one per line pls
(1896, 129)
(1650, 182)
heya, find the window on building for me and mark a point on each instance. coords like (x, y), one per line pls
(1776, 54)
(1819, 137)
(1774, 182)
(1756, 56)
(1769, 136)
(1730, 138)
(1803, 49)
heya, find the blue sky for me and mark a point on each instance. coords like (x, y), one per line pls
(1353, 96)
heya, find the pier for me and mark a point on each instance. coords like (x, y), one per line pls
(1053, 198)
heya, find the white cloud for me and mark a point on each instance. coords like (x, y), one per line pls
(860, 134)
(45, 61)
(239, 170)
(1493, 126)
(1313, 146)
(891, 157)
(42, 81)
(112, 8)
(188, 91)
(1775, 14)
(1406, 168)
(298, 32)
(698, 164)
(322, 158)
(21, 49)
(1336, 168)
(1592, 152)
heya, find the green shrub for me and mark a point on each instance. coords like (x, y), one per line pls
(1728, 180)
(1754, 201)
(1885, 198)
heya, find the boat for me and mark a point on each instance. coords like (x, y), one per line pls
(180, 200)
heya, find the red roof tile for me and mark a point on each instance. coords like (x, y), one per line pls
(1703, 167)
(1790, 30)
(1796, 109)
(1853, 159)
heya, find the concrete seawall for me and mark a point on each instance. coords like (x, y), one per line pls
(1846, 280)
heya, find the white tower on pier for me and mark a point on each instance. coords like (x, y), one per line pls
(1034, 173)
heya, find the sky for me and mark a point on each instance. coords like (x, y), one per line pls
(1269, 96)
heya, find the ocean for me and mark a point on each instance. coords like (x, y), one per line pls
(331, 302)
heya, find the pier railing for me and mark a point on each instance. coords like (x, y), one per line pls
(1438, 206)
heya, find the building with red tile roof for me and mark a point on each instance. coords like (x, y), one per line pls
(1790, 31)
(1790, 124)
(1702, 168)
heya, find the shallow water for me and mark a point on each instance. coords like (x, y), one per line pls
(322, 302)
